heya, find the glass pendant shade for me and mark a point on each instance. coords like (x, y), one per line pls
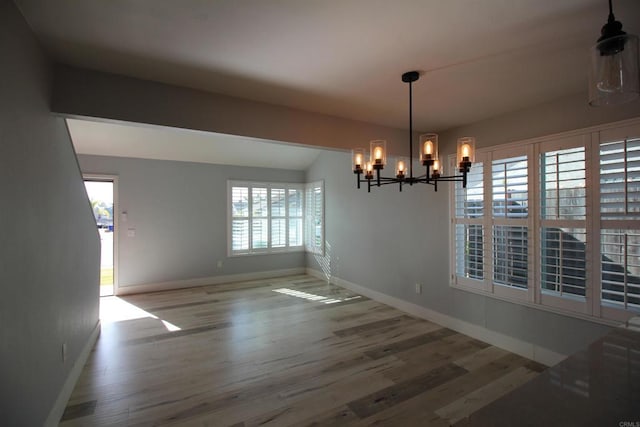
(402, 164)
(437, 168)
(614, 76)
(466, 151)
(378, 153)
(358, 159)
(428, 147)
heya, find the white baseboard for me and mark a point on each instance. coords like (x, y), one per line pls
(204, 281)
(65, 393)
(530, 351)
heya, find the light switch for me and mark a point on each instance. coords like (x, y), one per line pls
(131, 232)
(123, 216)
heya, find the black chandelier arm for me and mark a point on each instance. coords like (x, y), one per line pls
(452, 178)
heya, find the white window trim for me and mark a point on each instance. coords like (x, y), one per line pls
(591, 308)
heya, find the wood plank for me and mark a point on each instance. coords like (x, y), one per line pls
(247, 355)
(465, 406)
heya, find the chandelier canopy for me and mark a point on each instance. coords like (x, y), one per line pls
(428, 156)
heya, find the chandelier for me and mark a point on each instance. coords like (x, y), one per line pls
(369, 172)
(613, 75)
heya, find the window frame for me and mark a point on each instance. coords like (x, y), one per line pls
(591, 307)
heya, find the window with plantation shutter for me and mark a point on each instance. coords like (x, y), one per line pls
(265, 217)
(620, 225)
(563, 236)
(554, 223)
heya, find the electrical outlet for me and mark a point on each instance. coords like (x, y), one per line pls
(418, 288)
(64, 352)
(219, 263)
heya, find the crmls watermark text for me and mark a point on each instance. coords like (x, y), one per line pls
(629, 424)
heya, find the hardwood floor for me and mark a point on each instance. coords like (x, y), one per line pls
(279, 352)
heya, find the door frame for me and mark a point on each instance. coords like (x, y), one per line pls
(116, 221)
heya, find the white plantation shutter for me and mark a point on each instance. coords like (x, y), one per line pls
(510, 256)
(295, 202)
(620, 250)
(510, 187)
(563, 184)
(469, 227)
(314, 217)
(620, 179)
(469, 241)
(278, 217)
(563, 260)
(240, 219)
(563, 235)
(469, 202)
(620, 225)
(510, 232)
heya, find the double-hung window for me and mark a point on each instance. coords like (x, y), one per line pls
(268, 217)
(554, 222)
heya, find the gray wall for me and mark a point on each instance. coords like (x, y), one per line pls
(561, 115)
(50, 251)
(179, 212)
(388, 241)
(88, 93)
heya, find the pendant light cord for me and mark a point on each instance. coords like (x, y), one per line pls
(611, 17)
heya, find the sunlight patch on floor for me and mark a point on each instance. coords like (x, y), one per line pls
(114, 309)
(313, 297)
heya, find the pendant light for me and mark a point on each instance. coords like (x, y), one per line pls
(428, 156)
(613, 74)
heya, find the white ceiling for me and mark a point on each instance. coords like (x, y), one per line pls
(342, 57)
(162, 143)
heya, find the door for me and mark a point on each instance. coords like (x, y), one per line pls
(102, 191)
